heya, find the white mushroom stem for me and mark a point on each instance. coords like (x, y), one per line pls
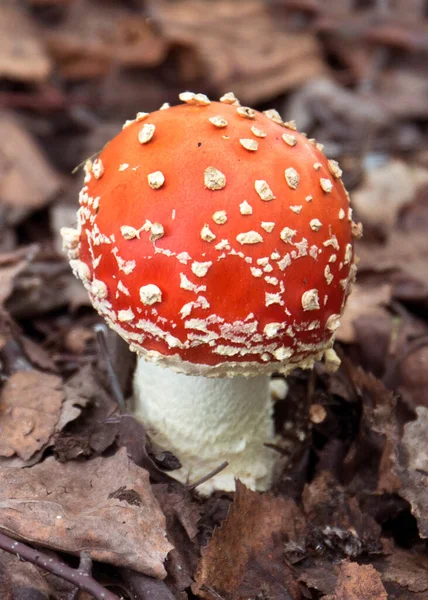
(205, 422)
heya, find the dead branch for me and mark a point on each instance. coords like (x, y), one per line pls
(78, 577)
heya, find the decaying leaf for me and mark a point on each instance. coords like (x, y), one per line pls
(90, 42)
(338, 525)
(356, 582)
(412, 465)
(367, 301)
(22, 55)
(30, 405)
(368, 462)
(407, 569)
(182, 515)
(11, 264)
(245, 556)
(104, 506)
(241, 49)
(413, 376)
(21, 580)
(28, 180)
(386, 190)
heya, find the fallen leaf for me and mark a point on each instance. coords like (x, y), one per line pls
(21, 580)
(182, 514)
(37, 355)
(245, 556)
(257, 65)
(413, 376)
(22, 54)
(337, 523)
(367, 301)
(11, 264)
(90, 43)
(408, 569)
(386, 190)
(84, 505)
(90, 433)
(357, 582)
(411, 462)
(30, 405)
(28, 180)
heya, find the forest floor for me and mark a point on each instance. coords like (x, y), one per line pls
(80, 486)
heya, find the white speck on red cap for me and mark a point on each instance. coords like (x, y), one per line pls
(263, 190)
(310, 300)
(214, 179)
(146, 133)
(150, 294)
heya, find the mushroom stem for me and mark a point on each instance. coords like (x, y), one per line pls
(205, 422)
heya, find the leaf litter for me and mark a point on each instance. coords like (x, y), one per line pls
(347, 516)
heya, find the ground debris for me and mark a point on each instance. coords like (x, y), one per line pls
(245, 556)
(30, 407)
(346, 518)
(78, 507)
(356, 582)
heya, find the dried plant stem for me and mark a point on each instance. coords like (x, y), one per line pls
(80, 578)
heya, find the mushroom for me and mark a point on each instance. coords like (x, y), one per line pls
(208, 239)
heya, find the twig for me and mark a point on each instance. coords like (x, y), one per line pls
(77, 577)
(144, 587)
(207, 588)
(205, 478)
(100, 331)
(85, 566)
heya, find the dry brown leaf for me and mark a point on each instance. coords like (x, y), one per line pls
(408, 569)
(246, 554)
(357, 582)
(386, 190)
(22, 55)
(90, 41)
(413, 377)
(402, 261)
(104, 506)
(28, 181)
(21, 580)
(412, 465)
(11, 264)
(369, 462)
(30, 405)
(364, 301)
(337, 523)
(241, 49)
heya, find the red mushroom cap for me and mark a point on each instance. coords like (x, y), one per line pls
(216, 239)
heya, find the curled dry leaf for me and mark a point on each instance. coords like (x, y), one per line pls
(104, 506)
(28, 180)
(244, 49)
(22, 580)
(357, 582)
(386, 190)
(22, 54)
(412, 465)
(182, 515)
(337, 523)
(30, 405)
(245, 555)
(407, 569)
(11, 264)
(367, 301)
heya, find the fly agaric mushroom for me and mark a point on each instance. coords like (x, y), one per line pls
(217, 241)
